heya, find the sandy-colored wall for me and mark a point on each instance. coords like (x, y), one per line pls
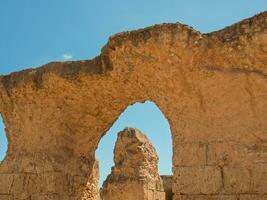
(211, 87)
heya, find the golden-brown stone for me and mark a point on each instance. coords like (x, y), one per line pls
(211, 87)
(135, 174)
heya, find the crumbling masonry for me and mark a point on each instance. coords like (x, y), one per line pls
(135, 174)
(211, 87)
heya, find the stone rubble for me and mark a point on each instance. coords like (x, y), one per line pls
(135, 174)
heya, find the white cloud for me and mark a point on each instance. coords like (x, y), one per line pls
(67, 56)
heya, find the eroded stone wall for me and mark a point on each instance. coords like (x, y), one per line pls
(167, 185)
(92, 189)
(211, 87)
(135, 174)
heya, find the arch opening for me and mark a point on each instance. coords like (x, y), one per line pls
(148, 118)
(3, 140)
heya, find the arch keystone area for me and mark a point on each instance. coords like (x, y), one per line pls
(211, 87)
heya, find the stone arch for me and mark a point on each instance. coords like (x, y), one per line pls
(211, 87)
(150, 129)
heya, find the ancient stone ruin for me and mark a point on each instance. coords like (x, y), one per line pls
(211, 87)
(167, 186)
(135, 174)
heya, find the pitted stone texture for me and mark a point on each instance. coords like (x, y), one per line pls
(206, 197)
(246, 179)
(211, 87)
(203, 180)
(6, 197)
(135, 174)
(167, 185)
(254, 197)
(92, 190)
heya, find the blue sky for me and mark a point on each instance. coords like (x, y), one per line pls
(34, 32)
(3, 139)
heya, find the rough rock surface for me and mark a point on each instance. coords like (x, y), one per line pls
(92, 190)
(167, 185)
(211, 87)
(135, 174)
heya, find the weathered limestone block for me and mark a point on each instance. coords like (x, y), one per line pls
(205, 197)
(253, 197)
(211, 87)
(233, 154)
(135, 174)
(197, 180)
(167, 185)
(92, 190)
(245, 179)
(45, 197)
(6, 181)
(190, 154)
(6, 197)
